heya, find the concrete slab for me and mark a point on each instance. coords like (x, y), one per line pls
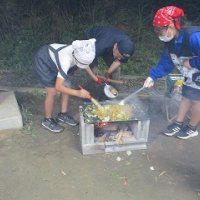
(10, 116)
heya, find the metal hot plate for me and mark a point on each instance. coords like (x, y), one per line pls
(140, 112)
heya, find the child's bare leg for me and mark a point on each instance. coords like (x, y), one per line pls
(64, 102)
(183, 109)
(49, 102)
(195, 113)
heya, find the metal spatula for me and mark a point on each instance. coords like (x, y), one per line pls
(123, 101)
(93, 100)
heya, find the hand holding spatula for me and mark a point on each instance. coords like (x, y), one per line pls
(93, 100)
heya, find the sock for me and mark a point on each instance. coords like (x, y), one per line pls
(194, 128)
(46, 119)
(63, 113)
(179, 123)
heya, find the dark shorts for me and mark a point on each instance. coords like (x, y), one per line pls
(191, 93)
(45, 69)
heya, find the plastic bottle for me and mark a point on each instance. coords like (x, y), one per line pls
(178, 90)
(178, 86)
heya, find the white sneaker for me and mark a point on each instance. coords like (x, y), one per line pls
(187, 133)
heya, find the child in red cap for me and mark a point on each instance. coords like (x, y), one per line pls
(182, 50)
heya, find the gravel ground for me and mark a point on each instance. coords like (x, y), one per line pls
(38, 165)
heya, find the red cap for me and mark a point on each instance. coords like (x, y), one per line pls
(164, 16)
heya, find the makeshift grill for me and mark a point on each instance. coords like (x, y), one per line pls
(114, 136)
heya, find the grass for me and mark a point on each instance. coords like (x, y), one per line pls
(26, 26)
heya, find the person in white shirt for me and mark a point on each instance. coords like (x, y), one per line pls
(53, 64)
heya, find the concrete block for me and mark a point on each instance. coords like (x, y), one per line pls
(10, 116)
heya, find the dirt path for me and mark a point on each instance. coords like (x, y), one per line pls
(38, 165)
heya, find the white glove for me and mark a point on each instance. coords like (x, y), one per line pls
(148, 83)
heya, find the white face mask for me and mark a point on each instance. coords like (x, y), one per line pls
(166, 38)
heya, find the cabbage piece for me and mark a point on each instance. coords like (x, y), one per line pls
(112, 112)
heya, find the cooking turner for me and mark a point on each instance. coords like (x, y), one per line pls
(123, 101)
(93, 100)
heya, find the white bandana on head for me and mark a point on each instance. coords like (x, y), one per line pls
(84, 52)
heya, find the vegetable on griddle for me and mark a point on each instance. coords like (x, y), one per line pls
(111, 112)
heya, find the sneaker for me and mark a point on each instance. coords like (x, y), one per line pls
(173, 129)
(187, 132)
(52, 125)
(67, 119)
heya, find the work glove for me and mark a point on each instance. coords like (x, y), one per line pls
(107, 75)
(148, 83)
(99, 81)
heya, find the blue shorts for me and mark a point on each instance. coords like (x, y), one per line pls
(191, 93)
(45, 68)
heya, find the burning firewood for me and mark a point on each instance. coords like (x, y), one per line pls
(112, 132)
(119, 137)
(122, 135)
(103, 138)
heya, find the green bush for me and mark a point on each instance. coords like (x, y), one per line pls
(25, 25)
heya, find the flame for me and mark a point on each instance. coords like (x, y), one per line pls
(100, 124)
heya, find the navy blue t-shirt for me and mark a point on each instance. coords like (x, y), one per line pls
(106, 37)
